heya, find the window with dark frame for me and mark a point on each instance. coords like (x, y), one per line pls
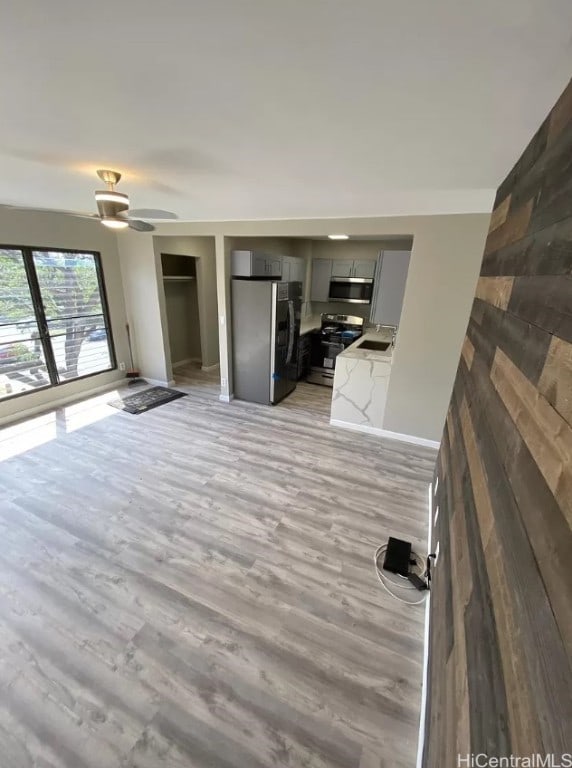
(54, 321)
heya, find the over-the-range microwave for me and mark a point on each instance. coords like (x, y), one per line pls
(351, 290)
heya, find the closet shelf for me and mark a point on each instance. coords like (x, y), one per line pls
(177, 278)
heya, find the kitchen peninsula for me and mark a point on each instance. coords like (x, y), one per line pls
(361, 382)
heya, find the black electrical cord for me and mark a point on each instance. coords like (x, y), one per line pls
(386, 580)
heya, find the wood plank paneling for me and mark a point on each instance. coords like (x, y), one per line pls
(533, 634)
(556, 379)
(488, 706)
(514, 227)
(561, 116)
(495, 290)
(483, 504)
(544, 252)
(524, 343)
(549, 534)
(534, 150)
(504, 669)
(544, 175)
(546, 435)
(545, 301)
(554, 194)
(530, 631)
(468, 352)
(499, 214)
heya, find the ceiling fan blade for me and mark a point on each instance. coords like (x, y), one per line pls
(140, 226)
(27, 209)
(152, 213)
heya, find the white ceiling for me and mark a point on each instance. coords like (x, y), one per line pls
(248, 109)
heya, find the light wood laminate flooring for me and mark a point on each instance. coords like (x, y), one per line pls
(194, 587)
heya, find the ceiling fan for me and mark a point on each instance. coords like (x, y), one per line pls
(113, 208)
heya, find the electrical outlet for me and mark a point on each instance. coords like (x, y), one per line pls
(223, 382)
(121, 366)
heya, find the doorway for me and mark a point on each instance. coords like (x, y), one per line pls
(182, 308)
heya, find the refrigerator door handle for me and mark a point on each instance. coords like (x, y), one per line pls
(291, 330)
(273, 341)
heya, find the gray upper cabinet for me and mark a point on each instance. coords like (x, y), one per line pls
(321, 276)
(389, 287)
(342, 268)
(293, 269)
(297, 270)
(364, 268)
(274, 265)
(255, 264)
(287, 269)
(258, 261)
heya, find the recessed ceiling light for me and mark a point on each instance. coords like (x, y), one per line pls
(339, 237)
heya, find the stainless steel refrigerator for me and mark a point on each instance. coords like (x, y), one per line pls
(265, 332)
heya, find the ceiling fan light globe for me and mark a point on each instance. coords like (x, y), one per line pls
(114, 222)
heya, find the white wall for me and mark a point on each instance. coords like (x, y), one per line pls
(55, 230)
(145, 304)
(224, 246)
(276, 246)
(443, 271)
(445, 262)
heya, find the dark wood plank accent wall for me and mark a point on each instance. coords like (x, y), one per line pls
(500, 679)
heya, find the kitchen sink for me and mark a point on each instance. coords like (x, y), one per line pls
(379, 346)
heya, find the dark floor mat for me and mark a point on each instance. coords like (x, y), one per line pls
(146, 400)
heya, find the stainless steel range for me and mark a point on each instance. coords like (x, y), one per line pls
(335, 334)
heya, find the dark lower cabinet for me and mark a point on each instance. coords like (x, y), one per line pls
(304, 355)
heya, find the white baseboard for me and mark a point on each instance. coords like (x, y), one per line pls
(226, 398)
(357, 427)
(159, 382)
(186, 361)
(425, 678)
(35, 410)
(411, 439)
(384, 433)
(210, 367)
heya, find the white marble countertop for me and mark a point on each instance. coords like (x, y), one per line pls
(376, 355)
